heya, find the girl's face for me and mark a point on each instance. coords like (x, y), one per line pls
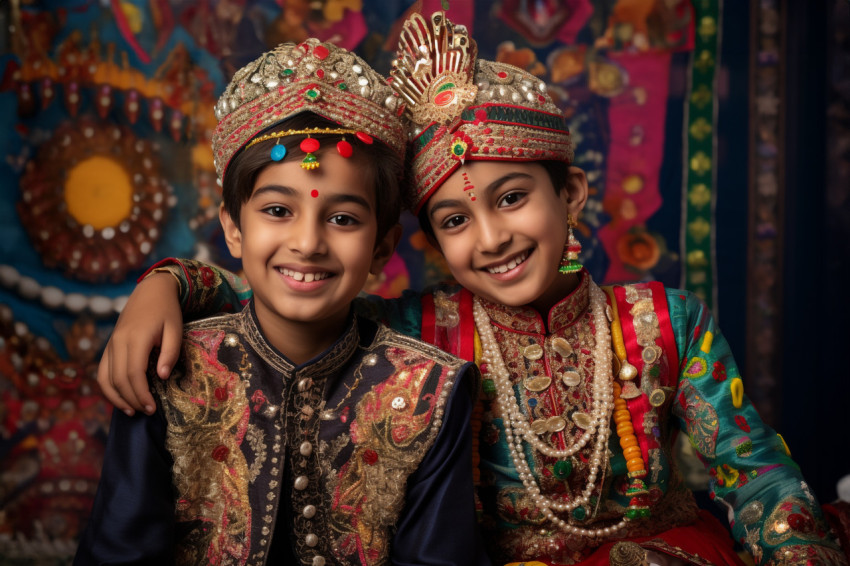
(502, 228)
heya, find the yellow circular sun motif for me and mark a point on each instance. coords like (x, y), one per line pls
(99, 192)
(94, 202)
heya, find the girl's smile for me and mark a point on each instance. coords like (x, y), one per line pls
(506, 245)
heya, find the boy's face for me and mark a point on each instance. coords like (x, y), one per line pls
(308, 241)
(507, 243)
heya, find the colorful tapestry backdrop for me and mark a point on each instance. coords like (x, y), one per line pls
(106, 112)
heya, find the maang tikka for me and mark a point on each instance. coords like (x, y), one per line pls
(569, 261)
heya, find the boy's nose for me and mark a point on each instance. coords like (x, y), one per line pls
(307, 239)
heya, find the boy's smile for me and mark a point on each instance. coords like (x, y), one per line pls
(506, 245)
(307, 240)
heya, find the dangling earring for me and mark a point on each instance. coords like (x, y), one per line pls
(569, 261)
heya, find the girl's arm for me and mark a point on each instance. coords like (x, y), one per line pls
(772, 510)
(171, 291)
(178, 290)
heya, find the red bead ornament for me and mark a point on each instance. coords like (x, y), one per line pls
(370, 457)
(344, 148)
(309, 145)
(321, 52)
(364, 137)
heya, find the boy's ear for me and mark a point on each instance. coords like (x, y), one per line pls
(232, 234)
(384, 249)
(575, 190)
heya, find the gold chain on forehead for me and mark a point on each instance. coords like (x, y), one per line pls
(308, 131)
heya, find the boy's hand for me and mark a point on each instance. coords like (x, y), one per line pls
(151, 318)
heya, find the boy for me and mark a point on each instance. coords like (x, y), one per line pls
(295, 431)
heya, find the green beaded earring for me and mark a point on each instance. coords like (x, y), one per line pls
(569, 261)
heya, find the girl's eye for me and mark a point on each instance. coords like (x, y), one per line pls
(277, 211)
(453, 221)
(511, 198)
(343, 220)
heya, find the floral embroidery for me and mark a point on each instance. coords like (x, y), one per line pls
(743, 446)
(697, 367)
(792, 517)
(719, 372)
(700, 418)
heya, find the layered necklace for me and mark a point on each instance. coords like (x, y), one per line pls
(517, 428)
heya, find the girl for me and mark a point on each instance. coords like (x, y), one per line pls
(584, 389)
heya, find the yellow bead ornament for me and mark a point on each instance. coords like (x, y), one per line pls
(639, 504)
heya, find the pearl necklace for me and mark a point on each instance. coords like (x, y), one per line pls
(518, 429)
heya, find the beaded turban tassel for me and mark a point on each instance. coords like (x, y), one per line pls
(462, 108)
(307, 77)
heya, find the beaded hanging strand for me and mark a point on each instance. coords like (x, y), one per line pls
(518, 429)
(639, 503)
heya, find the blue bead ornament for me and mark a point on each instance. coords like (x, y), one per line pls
(278, 152)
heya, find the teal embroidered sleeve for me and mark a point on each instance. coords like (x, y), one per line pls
(403, 314)
(771, 509)
(205, 290)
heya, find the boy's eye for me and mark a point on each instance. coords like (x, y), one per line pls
(511, 198)
(343, 220)
(277, 211)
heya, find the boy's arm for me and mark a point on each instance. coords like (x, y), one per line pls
(170, 291)
(438, 524)
(132, 520)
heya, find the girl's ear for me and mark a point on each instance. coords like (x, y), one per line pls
(575, 190)
(232, 233)
(384, 249)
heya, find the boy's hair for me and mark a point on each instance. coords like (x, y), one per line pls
(558, 172)
(381, 167)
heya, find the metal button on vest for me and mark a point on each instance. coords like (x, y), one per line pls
(300, 483)
(309, 511)
(305, 449)
(311, 540)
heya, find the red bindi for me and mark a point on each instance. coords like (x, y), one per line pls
(314, 193)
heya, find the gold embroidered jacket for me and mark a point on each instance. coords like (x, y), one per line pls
(341, 460)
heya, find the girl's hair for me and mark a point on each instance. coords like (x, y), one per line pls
(381, 167)
(558, 172)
